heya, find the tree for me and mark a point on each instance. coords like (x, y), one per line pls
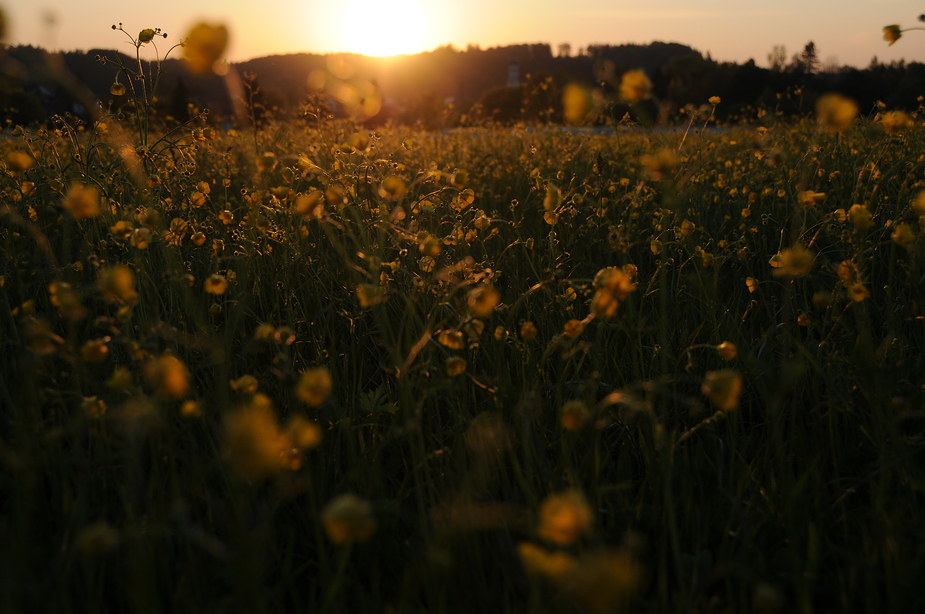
(565, 50)
(807, 61)
(777, 59)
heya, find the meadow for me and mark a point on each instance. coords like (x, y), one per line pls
(309, 366)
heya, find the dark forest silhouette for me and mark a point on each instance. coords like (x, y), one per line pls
(448, 86)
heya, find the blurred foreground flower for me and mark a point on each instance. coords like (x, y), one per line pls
(169, 378)
(82, 201)
(564, 517)
(723, 388)
(613, 285)
(892, 33)
(635, 86)
(204, 46)
(348, 519)
(835, 112)
(314, 386)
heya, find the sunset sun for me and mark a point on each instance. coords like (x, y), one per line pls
(375, 28)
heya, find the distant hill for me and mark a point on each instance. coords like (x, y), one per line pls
(442, 86)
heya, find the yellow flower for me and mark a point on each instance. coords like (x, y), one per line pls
(482, 300)
(347, 519)
(835, 112)
(727, 350)
(82, 201)
(635, 85)
(573, 328)
(574, 415)
(204, 46)
(452, 339)
(19, 161)
(723, 388)
(860, 216)
(895, 122)
(169, 377)
(215, 284)
(455, 365)
(528, 331)
(254, 443)
(794, 262)
(902, 234)
(564, 517)
(118, 285)
(891, 34)
(714, 100)
(314, 386)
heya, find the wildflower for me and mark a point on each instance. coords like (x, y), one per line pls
(95, 350)
(552, 199)
(347, 519)
(635, 86)
(613, 285)
(246, 385)
(804, 320)
(451, 339)
(860, 216)
(392, 188)
(895, 122)
(858, 293)
(891, 34)
(117, 89)
(809, 198)
(574, 415)
(752, 284)
(727, 351)
(215, 284)
(146, 35)
(482, 300)
(314, 386)
(204, 46)
(902, 234)
(19, 161)
(835, 112)
(455, 365)
(794, 262)
(576, 103)
(118, 285)
(141, 238)
(93, 407)
(254, 443)
(303, 434)
(190, 409)
(723, 388)
(169, 377)
(564, 517)
(714, 100)
(82, 201)
(573, 328)
(528, 331)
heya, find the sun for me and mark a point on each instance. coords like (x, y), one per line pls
(384, 28)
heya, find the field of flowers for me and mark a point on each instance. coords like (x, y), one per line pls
(319, 368)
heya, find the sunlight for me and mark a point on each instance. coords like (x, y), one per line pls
(375, 28)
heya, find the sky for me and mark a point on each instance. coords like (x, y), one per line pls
(846, 32)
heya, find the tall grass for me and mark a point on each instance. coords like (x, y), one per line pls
(585, 463)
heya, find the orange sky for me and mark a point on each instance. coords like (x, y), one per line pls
(845, 31)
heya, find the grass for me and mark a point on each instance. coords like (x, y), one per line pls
(375, 287)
